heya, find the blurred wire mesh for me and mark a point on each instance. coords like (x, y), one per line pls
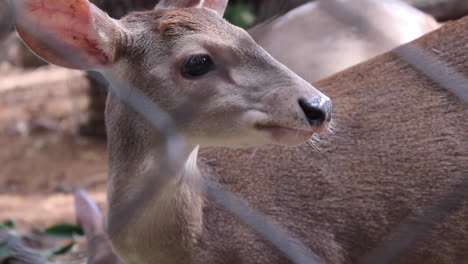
(407, 233)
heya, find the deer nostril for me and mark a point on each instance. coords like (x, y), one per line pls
(316, 110)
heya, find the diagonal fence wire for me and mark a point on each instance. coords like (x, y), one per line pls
(417, 226)
(293, 249)
(277, 236)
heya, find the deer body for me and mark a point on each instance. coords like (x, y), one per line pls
(373, 172)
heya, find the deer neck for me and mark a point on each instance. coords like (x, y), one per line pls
(171, 221)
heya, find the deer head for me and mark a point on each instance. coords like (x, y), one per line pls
(178, 48)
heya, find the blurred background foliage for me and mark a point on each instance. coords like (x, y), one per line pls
(240, 14)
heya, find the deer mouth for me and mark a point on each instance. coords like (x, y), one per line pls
(284, 135)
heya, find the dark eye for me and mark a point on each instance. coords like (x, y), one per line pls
(197, 65)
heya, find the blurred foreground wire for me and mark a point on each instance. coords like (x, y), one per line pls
(291, 247)
(416, 226)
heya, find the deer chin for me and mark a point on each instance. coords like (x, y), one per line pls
(285, 136)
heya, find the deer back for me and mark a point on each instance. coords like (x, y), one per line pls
(400, 142)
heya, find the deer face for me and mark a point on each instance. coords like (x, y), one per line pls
(170, 53)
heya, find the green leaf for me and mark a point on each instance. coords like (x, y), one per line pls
(8, 224)
(240, 14)
(64, 249)
(64, 230)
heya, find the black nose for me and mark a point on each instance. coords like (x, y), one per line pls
(316, 109)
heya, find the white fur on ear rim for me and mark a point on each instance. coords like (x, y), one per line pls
(217, 5)
(191, 163)
(201, 3)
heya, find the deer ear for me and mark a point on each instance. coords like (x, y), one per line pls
(87, 213)
(217, 5)
(70, 33)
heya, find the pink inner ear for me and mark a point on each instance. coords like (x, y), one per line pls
(70, 22)
(214, 4)
(218, 5)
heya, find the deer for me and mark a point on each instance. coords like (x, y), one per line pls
(373, 171)
(312, 28)
(192, 41)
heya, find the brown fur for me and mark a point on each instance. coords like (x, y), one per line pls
(176, 22)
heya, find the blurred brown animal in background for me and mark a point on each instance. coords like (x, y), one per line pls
(319, 44)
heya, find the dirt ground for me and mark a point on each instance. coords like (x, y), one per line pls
(39, 171)
(41, 156)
